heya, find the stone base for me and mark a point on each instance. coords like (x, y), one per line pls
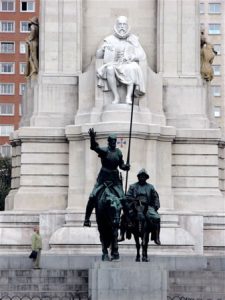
(63, 232)
(179, 234)
(127, 281)
(164, 276)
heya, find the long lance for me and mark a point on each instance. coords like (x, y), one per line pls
(130, 133)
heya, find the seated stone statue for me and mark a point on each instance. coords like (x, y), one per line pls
(121, 53)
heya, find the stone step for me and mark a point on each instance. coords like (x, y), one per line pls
(43, 273)
(43, 287)
(196, 284)
(42, 280)
(53, 295)
(43, 284)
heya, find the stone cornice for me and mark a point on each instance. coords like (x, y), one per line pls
(140, 131)
(41, 134)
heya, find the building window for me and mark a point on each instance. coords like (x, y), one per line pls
(7, 5)
(214, 28)
(6, 150)
(22, 47)
(24, 26)
(202, 8)
(23, 68)
(216, 70)
(216, 90)
(6, 109)
(7, 88)
(214, 8)
(7, 68)
(22, 88)
(217, 111)
(217, 48)
(5, 130)
(7, 47)
(7, 26)
(27, 5)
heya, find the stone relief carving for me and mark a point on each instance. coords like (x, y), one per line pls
(207, 56)
(121, 53)
(32, 48)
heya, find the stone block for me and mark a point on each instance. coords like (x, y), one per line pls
(44, 180)
(44, 158)
(42, 169)
(197, 160)
(127, 281)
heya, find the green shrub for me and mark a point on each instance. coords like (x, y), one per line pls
(5, 179)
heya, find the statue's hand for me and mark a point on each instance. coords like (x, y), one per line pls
(126, 167)
(92, 133)
(87, 223)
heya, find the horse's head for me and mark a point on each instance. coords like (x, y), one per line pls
(136, 209)
(140, 210)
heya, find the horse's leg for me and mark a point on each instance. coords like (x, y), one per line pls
(114, 245)
(122, 229)
(138, 246)
(104, 242)
(145, 241)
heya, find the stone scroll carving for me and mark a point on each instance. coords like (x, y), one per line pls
(121, 53)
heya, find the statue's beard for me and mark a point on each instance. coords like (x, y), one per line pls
(121, 34)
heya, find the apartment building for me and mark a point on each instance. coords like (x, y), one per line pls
(14, 18)
(212, 18)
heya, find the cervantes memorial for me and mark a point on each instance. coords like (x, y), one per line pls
(173, 138)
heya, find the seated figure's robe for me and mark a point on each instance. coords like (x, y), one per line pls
(123, 54)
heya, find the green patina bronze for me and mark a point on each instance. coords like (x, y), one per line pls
(140, 216)
(107, 194)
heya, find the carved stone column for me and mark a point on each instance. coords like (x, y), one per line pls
(179, 63)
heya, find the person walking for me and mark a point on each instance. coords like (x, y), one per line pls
(36, 245)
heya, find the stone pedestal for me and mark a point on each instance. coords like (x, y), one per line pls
(180, 233)
(127, 281)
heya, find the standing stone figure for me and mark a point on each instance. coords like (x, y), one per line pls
(207, 57)
(121, 53)
(32, 48)
(106, 195)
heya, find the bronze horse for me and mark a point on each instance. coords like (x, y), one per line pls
(108, 210)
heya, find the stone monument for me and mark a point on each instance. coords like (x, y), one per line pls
(53, 169)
